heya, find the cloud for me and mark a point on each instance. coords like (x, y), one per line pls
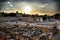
(42, 6)
(10, 4)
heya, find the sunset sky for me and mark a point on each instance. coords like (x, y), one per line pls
(40, 7)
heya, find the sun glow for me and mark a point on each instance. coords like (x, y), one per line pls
(27, 9)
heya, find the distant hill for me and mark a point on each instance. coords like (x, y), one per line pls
(57, 16)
